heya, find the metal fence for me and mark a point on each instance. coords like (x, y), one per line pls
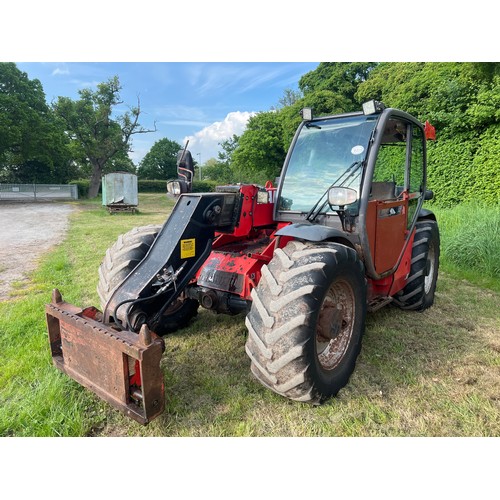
(38, 192)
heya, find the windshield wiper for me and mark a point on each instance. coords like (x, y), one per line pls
(344, 177)
(313, 125)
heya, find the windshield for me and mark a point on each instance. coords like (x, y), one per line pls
(322, 153)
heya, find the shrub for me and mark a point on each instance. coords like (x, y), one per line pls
(204, 186)
(449, 171)
(151, 186)
(485, 178)
(83, 187)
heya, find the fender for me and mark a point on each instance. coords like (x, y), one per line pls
(426, 214)
(311, 232)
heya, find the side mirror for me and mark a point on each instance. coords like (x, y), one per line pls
(428, 195)
(185, 168)
(341, 196)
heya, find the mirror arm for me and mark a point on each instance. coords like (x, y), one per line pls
(346, 219)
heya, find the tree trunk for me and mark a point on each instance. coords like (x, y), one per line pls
(95, 180)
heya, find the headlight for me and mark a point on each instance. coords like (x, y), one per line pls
(262, 197)
(307, 114)
(372, 107)
(175, 188)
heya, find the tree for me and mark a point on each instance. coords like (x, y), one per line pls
(214, 170)
(161, 160)
(341, 78)
(455, 97)
(260, 152)
(121, 162)
(89, 122)
(461, 100)
(228, 147)
(33, 146)
(289, 98)
(323, 102)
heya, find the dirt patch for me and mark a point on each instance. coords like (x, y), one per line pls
(28, 230)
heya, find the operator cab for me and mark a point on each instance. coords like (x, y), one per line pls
(358, 178)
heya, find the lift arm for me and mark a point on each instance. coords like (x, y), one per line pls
(103, 351)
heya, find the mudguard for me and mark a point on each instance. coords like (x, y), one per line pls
(310, 232)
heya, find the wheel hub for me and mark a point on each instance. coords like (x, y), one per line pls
(335, 324)
(330, 323)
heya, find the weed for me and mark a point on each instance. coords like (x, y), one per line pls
(470, 236)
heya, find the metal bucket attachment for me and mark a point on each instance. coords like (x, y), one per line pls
(121, 367)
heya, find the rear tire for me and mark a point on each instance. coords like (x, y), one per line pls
(307, 320)
(122, 258)
(418, 294)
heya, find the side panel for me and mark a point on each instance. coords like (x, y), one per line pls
(236, 268)
(390, 234)
(379, 291)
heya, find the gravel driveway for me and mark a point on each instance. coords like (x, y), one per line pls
(27, 230)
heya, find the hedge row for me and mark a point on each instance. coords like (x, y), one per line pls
(146, 186)
(465, 168)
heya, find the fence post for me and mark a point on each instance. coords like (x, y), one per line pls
(34, 191)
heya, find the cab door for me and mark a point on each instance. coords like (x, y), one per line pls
(396, 191)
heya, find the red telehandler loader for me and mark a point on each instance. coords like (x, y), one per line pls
(343, 232)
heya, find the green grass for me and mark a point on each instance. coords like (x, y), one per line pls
(33, 396)
(434, 373)
(470, 243)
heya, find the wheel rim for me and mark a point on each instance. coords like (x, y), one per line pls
(431, 266)
(335, 325)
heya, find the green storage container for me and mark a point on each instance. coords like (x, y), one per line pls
(119, 189)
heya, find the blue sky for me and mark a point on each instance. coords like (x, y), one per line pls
(204, 102)
(193, 97)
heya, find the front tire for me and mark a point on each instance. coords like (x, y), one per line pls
(307, 320)
(122, 258)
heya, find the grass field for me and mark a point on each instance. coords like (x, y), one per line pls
(435, 373)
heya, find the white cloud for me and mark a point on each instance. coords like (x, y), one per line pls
(60, 71)
(205, 143)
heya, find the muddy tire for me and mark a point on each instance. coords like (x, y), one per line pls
(418, 294)
(122, 258)
(307, 320)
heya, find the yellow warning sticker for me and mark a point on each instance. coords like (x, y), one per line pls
(187, 248)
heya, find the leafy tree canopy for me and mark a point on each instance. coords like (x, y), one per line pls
(98, 134)
(455, 97)
(161, 161)
(33, 147)
(260, 152)
(217, 171)
(341, 78)
(228, 147)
